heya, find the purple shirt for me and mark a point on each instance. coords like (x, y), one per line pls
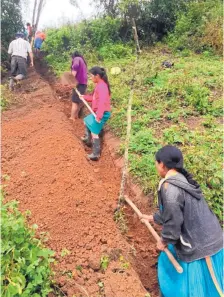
(79, 66)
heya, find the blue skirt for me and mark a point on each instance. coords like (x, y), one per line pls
(38, 42)
(195, 281)
(93, 125)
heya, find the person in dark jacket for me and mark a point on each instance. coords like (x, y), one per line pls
(190, 230)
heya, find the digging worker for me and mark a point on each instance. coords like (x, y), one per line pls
(18, 49)
(29, 32)
(101, 106)
(190, 230)
(39, 39)
(79, 71)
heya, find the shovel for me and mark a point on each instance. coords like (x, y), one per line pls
(170, 256)
(84, 101)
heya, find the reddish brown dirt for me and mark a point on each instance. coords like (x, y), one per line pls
(73, 199)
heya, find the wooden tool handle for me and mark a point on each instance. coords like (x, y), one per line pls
(155, 235)
(84, 101)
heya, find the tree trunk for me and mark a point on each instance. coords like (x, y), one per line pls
(40, 7)
(34, 12)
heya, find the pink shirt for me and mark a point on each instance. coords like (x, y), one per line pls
(100, 99)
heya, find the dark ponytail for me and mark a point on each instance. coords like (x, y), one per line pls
(188, 176)
(172, 158)
(77, 54)
(102, 73)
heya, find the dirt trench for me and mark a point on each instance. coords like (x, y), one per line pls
(71, 198)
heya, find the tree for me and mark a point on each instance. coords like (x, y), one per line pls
(39, 7)
(11, 22)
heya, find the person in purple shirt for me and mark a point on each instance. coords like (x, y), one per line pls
(79, 70)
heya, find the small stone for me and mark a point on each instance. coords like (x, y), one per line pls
(94, 263)
(61, 281)
(103, 248)
(80, 281)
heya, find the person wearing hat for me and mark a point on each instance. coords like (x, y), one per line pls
(18, 49)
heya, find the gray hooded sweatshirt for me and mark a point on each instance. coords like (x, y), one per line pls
(187, 221)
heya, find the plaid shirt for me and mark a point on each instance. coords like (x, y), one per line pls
(19, 47)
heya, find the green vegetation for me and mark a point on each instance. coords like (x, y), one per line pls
(104, 262)
(11, 22)
(181, 106)
(6, 97)
(86, 37)
(25, 262)
(200, 28)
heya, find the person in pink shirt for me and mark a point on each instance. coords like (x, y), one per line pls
(101, 106)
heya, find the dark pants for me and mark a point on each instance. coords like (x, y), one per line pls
(82, 89)
(18, 66)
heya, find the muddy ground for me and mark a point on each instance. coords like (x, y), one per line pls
(71, 198)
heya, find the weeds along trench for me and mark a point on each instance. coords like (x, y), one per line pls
(143, 253)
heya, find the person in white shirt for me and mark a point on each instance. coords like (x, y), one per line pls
(19, 49)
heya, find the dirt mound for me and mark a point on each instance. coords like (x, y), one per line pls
(68, 79)
(69, 197)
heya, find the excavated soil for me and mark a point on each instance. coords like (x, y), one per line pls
(71, 198)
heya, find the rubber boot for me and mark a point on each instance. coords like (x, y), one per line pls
(87, 138)
(96, 150)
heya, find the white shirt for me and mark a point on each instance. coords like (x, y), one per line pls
(19, 47)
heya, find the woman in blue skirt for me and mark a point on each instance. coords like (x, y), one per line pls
(101, 106)
(190, 230)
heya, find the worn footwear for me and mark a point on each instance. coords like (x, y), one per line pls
(86, 139)
(11, 84)
(96, 150)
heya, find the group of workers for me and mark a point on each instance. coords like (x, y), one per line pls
(100, 100)
(190, 230)
(20, 51)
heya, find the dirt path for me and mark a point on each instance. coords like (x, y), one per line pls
(71, 198)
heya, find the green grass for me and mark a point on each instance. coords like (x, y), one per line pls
(180, 106)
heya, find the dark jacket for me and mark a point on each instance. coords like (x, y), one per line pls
(187, 221)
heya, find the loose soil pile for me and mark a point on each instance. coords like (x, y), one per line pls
(73, 199)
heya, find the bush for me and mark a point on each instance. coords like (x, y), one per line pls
(200, 28)
(198, 97)
(114, 51)
(25, 262)
(6, 97)
(11, 22)
(88, 37)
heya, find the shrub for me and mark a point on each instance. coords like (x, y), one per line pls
(6, 97)
(199, 28)
(25, 262)
(115, 51)
(198, 97)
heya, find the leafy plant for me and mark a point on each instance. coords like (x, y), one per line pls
(199, 97)
(25, 262)
(199, 28)
(119, 218)
(65, 252)
(115, 51)
(79, 268)
(124, 263)
(6, 97)
(104, 262)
